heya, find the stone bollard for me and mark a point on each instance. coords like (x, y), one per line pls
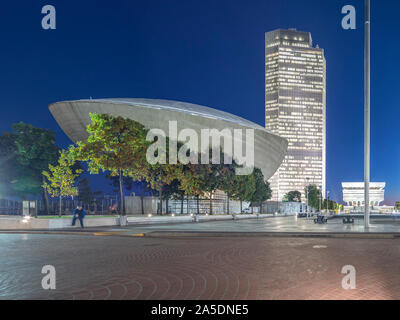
(234, 216)
(195, 218)
(123, 221)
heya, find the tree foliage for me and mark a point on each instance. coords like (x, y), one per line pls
(115, 145)
(119, 146)
(24, 154)
(314, 196)
(60, 181)
(262, 188)
(292, 196)
(330, 205)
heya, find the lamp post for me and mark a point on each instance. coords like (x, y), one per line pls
(307, 196)
(327, 201)
(320, 198)
(367, 105)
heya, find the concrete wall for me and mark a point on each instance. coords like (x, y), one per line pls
(91, 222)
(159, 219)
(16, 223)
(188, 219)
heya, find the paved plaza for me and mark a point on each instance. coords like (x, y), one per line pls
(113, 267)
(272, 224)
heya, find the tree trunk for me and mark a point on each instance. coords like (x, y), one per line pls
(211, 209)
(160, 200)
(141, 204)
(46, 199)
(252, 212)
(60, 206)
(121, 192)
(241, 206)
(166, 206)
(227, 196)
(183, 197)
(187, 204)
(198, 205)
(261, 207)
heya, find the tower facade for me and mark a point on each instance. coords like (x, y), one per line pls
(295, 109)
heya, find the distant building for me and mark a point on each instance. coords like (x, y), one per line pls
(295, 109)
(353, 193)
(353, 196)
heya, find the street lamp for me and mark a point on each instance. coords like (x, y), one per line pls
(327, 201)
(307, 195)
(367, 106)
(320, 199)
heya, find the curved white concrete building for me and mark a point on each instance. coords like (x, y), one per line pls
(73, 117)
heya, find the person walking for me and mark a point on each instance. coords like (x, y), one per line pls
(80, 214)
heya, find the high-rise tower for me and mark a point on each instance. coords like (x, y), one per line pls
(295, 109)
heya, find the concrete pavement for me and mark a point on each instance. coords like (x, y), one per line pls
(274, 224)
(206, 268)
(278, 226)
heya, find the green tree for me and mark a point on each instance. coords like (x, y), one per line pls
(191, 178)
(397, 205)
(330, 205)
(24, 154)
(262, 189)
(173, 191)
(243, 188)
(60, 181)
(292, 196)
(12, 180)
(314, 196)
(211, 182)
(226, 182)
(167, 178)
(144, 188)
(159, 176)
(116, 145)
(213, 176)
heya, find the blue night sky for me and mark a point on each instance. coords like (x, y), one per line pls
(206, 52)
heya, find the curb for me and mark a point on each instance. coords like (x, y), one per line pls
(122, 234)
(80, 233)
(354, 235)
(205, 234)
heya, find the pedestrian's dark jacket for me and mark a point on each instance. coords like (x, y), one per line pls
(79, 213)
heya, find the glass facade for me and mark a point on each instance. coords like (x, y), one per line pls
(295, 105)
